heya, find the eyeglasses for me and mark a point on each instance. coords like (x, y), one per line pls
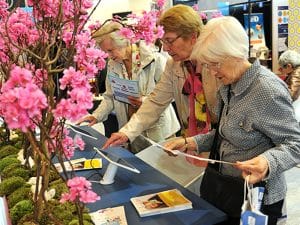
(169, 41)
(211, 66)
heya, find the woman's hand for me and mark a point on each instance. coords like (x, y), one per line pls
(135, 102)
(257, 168)
(118, 138)
(89, 118)
(181, 144)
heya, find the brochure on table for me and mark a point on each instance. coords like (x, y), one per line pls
(109, 216)
(122, 88)
(80, 164)
(161, 202)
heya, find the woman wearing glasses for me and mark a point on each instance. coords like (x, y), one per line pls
(289, 63)
(257, 129)
(194, 94)
(136, 62)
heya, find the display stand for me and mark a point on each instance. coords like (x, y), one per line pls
(112, 167)
(176, 168)
(109, 175)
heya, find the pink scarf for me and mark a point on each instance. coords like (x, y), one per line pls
(199, 118)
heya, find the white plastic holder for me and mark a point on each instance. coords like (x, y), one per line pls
(109, 174)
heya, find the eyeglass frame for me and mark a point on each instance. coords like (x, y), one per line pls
(212, 66)
(170, 42)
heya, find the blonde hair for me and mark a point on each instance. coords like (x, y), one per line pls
(181, 19)
(221, 38)
(111, 30)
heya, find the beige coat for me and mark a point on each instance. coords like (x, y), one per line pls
(169, 88)
(152, 67)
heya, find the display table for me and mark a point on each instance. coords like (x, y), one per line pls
(128, 184)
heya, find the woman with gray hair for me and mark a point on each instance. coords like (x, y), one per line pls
(131, 62)
(257, 129)
(289, 63)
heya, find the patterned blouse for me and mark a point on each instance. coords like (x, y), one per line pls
(259, 120)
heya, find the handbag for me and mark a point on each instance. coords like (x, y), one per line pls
(223, 191)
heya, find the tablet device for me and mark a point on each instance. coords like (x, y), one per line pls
(115, 160)
(80, 130)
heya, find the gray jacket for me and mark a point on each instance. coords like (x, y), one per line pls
(259, 120)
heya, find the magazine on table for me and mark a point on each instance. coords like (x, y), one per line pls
(161, 202)
(110, 216)
(80, 164)
(122, 88)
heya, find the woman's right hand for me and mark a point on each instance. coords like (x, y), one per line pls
(118, 138)
(89, 118)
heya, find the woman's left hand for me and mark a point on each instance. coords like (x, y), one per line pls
(257, 168)
(136, 102)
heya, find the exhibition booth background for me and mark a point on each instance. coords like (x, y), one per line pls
(280, 16)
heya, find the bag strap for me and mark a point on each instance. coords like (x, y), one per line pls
(214, 153)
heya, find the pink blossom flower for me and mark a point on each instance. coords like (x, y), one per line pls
(203, 16)
(216, 14)
(79, 142)
(142, 28)
(160, 3)
(196, 7)
(79, 188)
(21, 101)
(3, 9)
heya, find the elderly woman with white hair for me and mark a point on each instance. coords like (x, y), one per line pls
(137, 62)
(257, 129)
(289, 66)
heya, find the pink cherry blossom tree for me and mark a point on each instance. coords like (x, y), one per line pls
(38, 48)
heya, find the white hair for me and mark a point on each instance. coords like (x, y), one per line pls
(220, 38)
(111, 30)
(289, 57)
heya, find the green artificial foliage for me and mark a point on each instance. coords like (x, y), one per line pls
(59, 186)
(21, 209)
(17, 172)
(18, 195)
(76, 222)
(18, 144)
(9, 185)
(86, 216)
(62, 212)
(10, 167)
(7, 161)
(54, 176)
(29, 223)
(8, 150)
(27, 219)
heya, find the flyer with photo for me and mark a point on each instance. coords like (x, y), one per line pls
(80, 164)
(162, 202)
(110, 216)
(122, 88)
